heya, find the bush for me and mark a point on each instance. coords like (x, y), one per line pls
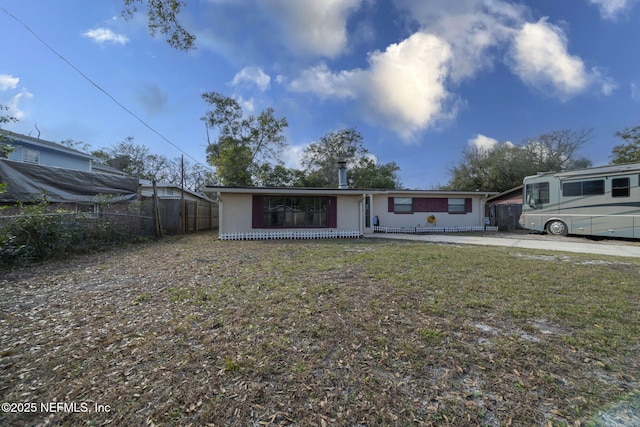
(37, 233)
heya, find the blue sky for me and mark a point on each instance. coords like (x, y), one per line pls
(420, 79)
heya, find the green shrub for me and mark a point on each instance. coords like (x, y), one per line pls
(37, 233)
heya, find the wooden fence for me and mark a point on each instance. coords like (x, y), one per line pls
(505, 216)
(185, 216)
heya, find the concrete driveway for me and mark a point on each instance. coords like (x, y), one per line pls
(528, 241)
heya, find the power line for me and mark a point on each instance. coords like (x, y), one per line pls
(87, 78)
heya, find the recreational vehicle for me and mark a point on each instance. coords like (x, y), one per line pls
(601, 201)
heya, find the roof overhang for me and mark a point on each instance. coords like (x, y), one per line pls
(344, 192)
(303, 191)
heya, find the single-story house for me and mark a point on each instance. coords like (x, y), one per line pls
(278, 212)
(167, 191)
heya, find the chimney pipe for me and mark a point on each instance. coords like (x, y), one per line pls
(342, 174)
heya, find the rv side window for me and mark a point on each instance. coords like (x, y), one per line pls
(583, 188)
(537, 193)
(620, 187)
(590, 188)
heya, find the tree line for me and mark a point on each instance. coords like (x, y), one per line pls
(503, 166)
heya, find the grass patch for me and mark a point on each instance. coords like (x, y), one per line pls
(350, 332)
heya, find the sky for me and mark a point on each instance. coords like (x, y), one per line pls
(421, 80)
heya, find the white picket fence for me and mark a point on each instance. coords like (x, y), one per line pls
(417, 230)
(292, 235)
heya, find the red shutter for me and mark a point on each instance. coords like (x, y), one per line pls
(332, 212)
(257, 212)
(420, 204)
(390, 207)
(468, 204)
(438, 204)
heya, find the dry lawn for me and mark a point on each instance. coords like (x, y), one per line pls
(194, 331)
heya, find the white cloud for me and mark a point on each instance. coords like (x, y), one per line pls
(538, 51)
(104, 35)
(314, 27)
(404, 86)
(607, 84)
(14, 104)
(323, 82)
(610, 9)
(8, 82)
(483, 142)
(410, 86)
(291, 156)
(471, 27)
(408, 83)
(248, 105)
(540, 58)
(252, 76)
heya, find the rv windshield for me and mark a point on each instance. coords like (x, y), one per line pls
(536, 194)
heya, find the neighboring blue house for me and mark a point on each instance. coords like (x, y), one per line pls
(35, 151)
(35, 166)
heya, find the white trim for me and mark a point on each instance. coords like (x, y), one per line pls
(416, 230)
(292, 235)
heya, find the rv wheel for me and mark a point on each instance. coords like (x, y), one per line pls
(557, 228)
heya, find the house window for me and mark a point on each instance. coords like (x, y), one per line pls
(583, 188)
(295, 212)
(30, 156)
(402, 205)
(457, 206)
(620, 187)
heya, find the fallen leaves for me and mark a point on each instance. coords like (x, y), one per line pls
(189, 331)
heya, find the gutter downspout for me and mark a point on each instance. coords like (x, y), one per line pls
(220, 230)
(360, 220)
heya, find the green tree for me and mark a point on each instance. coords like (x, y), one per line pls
(5, 146)
(558, 151)
(489, 169)
(232, 161)
(135, 160)
(280, 176)
(244, 144)
(629, 152)
(162, 17)
(504, 166)
(368, 174)
(320, 159)
(76, 145)
(193, 177)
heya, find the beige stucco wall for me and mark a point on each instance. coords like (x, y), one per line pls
(389, 219)
(236, 213)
